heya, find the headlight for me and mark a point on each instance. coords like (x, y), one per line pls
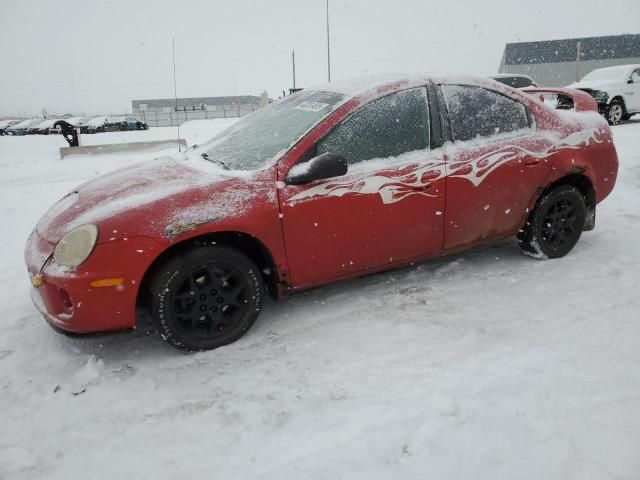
(76, 246)
(600, 97)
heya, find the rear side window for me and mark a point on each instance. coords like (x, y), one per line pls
(387, 127)
(478, 112)
(515, 82)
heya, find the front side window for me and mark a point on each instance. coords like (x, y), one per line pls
(478, 112)
(387, 127)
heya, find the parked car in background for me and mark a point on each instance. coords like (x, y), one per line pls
(515, 80)
(94, 125)
(616, 90)
(21, 128)
(42, 128)
(77, 121)
(362, 176)
(4, 124)
(125, 123)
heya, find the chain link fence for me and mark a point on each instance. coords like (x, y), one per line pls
(173, 118)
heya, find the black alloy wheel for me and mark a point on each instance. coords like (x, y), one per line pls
(209, 301)
(206, 297)
(556, 224)
(559, 224)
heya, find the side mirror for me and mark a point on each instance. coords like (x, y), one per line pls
(327, 165)
(630, 80)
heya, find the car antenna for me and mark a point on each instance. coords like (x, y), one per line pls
(175, 88)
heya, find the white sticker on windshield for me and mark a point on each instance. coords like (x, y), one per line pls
(311, 106)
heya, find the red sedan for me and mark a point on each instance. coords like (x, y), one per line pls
(330, 183)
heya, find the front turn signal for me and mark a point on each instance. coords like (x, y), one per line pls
(107, 282)
(37, 280)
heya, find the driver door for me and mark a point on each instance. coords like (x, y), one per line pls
(387, 208)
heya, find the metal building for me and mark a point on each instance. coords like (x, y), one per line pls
(167, 111)
(561, 62)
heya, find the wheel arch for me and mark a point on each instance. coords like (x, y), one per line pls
(619, 98)
(583, 183)
(247, 244)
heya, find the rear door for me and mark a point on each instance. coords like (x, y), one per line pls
(387, 208)
(494, 166)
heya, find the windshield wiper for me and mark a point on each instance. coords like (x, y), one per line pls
(215, 160)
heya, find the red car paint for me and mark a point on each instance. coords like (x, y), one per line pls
(456, 196)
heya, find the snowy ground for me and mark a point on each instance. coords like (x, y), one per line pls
(484, 365)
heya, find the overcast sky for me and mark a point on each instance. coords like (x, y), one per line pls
(92, 56)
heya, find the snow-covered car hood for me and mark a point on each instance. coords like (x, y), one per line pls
(593, 85)
(147, 199)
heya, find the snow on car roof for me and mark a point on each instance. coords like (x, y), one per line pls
(507, 75)
(26, 123)
(357, 86)
(76, 120)
(97, 121)
(46, 123)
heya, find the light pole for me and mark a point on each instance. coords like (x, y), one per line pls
(293, 64)
(328, 46)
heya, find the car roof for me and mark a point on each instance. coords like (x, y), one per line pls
(96, 121)
(27, 122)
(76, 119)
(362, 86)
(508, 75)
(47, 123)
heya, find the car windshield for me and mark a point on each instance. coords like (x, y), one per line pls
(255, 139)
(26, 123)
(613, 74)
(46, 123)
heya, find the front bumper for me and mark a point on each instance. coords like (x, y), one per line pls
(66, 297)
(603, 109)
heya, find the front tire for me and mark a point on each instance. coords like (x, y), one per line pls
(206, 297)
(616, 112)
(555, 225)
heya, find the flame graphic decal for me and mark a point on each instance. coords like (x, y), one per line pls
(417, 179)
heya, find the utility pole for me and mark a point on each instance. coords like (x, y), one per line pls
(293, 64)
(175, 88)
(578, 63)
(328, 46)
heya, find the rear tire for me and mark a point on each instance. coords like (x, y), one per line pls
(555, 225)
(206, 297)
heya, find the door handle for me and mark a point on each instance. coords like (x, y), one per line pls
(531, 162)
